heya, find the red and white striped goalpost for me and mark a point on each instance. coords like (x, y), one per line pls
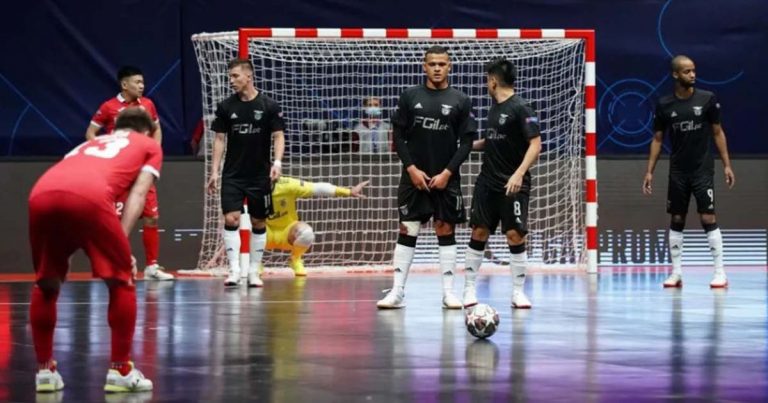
(590, 93)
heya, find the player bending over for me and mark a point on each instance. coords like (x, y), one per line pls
(71, 207)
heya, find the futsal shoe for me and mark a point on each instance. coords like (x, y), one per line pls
(393, 300)
(450, 301)
(155, 272)
(48, 380)
(719, 280)
(520, 301)
(134, 381)
(674, 280)
(470, 296)
(233, 279)
(254, 280)
(298, 267)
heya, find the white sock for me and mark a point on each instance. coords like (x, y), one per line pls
(519, 262)
(715, 239)
(258, 242)
(402, 262)
(447, 256)
(676, 251)
(472, 261)
(232, 247)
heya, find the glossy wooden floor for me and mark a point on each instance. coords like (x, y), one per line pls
(614, 337)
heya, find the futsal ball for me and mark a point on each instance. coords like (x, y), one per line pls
(482, 321)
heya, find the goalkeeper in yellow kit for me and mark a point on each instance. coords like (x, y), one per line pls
(284, 229)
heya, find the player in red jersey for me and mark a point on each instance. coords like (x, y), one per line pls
(71, 207)
(131, 81)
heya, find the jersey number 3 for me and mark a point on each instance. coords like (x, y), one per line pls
(109, 146)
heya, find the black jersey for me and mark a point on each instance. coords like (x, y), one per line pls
(688, 122)
(249, 127)
(511, 124)
(429, 126)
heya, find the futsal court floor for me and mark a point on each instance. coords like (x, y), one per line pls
(616, 336)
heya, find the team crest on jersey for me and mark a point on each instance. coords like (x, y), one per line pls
(503, 118)
(697, 110)
(283, 203)
(257, 115)
(404, 209)
(446, 110)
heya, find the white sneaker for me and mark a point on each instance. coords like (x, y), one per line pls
(154, 272)
(133, 382)
(393, 300)
(520, 301)
(233, 279)
(450, 301)
(254, 280)
(719, 280)
(674, 280)
(47, 380)
(470, 296)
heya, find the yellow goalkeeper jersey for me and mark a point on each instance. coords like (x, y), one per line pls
(284, 196)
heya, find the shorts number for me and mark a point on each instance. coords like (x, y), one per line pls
(119, 208)
(517, 209)
(711, 195)
(109, 146)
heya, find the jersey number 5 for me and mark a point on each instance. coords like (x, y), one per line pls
(109, 146)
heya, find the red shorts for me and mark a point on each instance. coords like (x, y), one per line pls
(62, 222)
(150, 204)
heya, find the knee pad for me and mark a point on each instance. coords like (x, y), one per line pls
(411, 227)
(304, 236)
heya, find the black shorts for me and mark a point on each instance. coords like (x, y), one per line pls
(258, 192)
(491, 206)
(445, 205)
(681, 187)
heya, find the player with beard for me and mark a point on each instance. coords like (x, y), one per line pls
(691, 118)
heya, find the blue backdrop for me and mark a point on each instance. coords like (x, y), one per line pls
(58, 58)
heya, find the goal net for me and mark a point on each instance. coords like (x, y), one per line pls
(321, 84)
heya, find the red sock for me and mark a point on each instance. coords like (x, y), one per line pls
(122, 367)
(122, 320)
(42, 317)
(151, 244)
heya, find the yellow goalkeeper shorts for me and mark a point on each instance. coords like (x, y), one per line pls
(277, 238)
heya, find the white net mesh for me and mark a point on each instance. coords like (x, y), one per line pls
(321, 85)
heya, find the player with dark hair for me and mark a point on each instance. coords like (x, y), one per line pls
(131, 82)
(511, 145)
(71, 207)
(433, 128)
(691, 118)
(250, 122)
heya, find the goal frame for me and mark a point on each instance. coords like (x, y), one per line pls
(590, 92)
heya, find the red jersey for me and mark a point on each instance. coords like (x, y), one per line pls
(107, 114)
(104, 168)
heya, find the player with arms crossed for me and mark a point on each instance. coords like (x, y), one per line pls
(512, 144)
(691, 118)
(131, 81)
(433, 128)
(284, 229)
(71, 207)
(248, 121)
